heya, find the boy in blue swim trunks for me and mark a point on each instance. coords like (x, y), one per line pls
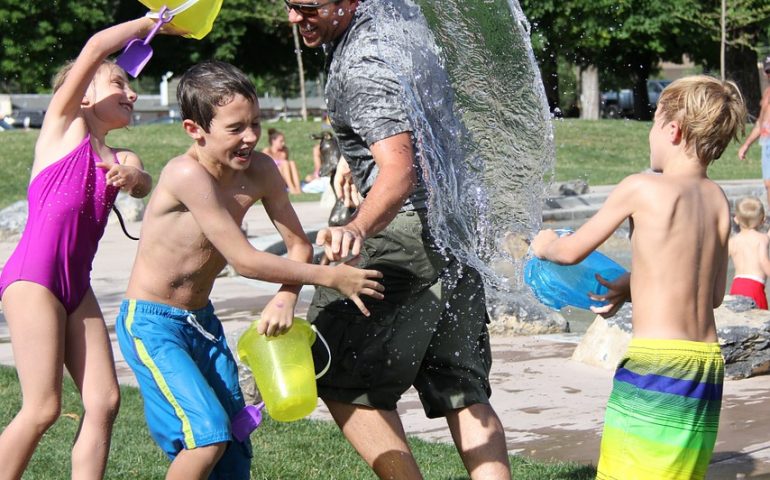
(167, 329)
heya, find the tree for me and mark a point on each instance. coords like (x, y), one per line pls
(255, 36)
(624, 39)
(38, 36)
(746, 23)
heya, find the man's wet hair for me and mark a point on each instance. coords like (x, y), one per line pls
(208, 85)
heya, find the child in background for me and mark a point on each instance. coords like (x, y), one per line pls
(663, 413)
(52, 313)
(167, 329)
(279, 152)
(749, 252)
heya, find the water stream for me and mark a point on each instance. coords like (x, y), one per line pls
(481, 124)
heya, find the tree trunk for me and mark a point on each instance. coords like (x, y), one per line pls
(589, 93)
(549, 69)
(642, 108)
(549, 72)
(301, 67)
(741, 67)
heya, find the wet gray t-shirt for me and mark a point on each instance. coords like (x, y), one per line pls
(365, 99)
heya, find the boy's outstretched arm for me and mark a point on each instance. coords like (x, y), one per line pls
(207, 203)
(571, 249)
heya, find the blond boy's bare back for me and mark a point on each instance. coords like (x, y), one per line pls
(679, 242)
(680, 227)
(177, 262)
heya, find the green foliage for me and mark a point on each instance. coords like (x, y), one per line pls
(298, 450)
(38, 36)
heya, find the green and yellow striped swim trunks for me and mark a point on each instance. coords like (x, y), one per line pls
(663, 414)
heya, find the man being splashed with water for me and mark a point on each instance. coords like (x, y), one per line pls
(431, 329)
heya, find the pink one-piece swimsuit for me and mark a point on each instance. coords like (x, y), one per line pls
(69, 202)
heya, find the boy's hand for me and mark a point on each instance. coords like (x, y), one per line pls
(618, 293)
(542, 240)
(339, 242)
(354, 282)
(277, 316)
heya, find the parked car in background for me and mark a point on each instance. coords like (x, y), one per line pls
(620, 103)
(163, 120)
(5, 125)
(27, 118)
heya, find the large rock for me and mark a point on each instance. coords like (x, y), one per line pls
(606, 340)
(745, 339)
(12, 220)
(744, 334)
(131, 209)
(520, 315)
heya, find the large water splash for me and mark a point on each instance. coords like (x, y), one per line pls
(480, 120)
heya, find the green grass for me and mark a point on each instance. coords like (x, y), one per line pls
(599, 152)
(604, 152)
(155, 145)
(299, 450)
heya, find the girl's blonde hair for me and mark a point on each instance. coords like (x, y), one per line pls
(749, 212)
(710, 113)
(61, 75)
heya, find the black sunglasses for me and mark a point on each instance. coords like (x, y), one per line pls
(308, 9)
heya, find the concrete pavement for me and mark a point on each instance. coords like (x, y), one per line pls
(551, 407)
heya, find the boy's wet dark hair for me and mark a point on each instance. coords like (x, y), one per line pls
(209, 85)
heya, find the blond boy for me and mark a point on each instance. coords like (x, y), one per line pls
(663, 413)
(749, 252)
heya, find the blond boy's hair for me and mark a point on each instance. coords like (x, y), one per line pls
(749, 212)
(710, 113)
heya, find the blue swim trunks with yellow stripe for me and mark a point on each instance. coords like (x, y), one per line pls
(188, 379)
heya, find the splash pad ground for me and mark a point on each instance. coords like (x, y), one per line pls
(551, 407)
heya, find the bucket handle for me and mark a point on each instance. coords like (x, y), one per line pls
(328, 350)
(173, 12)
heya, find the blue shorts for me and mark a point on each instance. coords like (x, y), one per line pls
(764, 144)
(188, 379)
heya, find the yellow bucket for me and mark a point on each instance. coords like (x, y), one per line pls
(195, 17)
(283, 369)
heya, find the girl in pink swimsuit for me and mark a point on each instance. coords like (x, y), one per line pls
(51, 311)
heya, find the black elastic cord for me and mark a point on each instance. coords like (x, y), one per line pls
(122, 223)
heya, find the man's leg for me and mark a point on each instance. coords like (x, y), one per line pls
(480, 440)
(379, 437)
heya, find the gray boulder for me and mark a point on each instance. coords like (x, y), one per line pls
(744, 335)
(132, 209)
(520, 314)
(13, 218)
